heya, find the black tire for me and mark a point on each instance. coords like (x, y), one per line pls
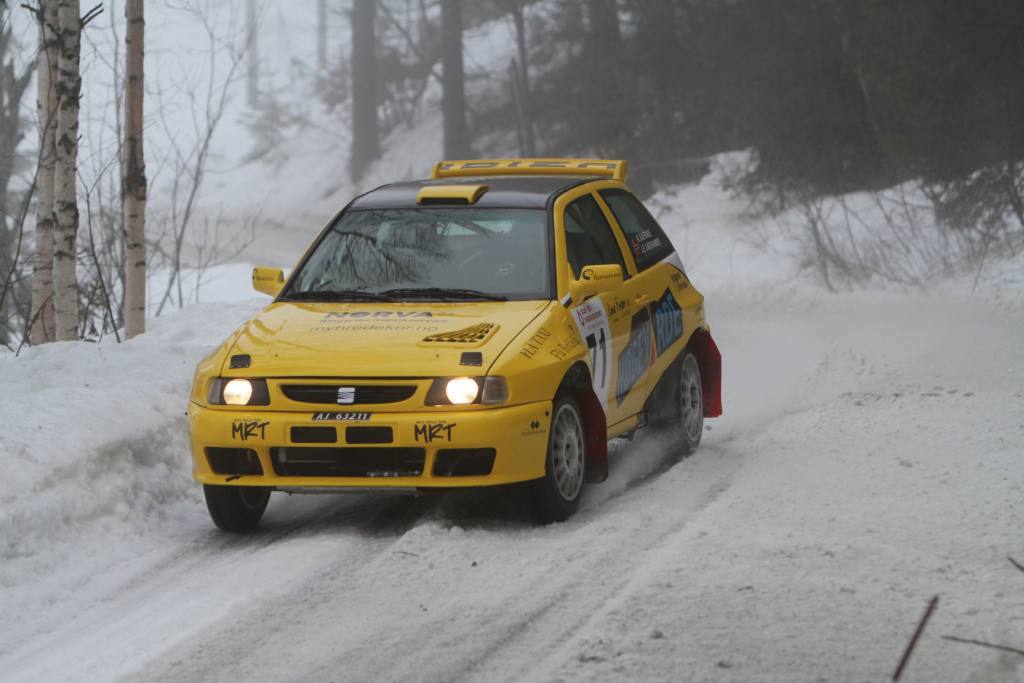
(557, 494)
(689, 409)
(236, 508)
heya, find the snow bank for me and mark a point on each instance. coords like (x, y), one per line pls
(95, 434)
(890, 239)
(719, 241)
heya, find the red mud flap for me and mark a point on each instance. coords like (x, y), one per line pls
(596, 436)
(709, 358)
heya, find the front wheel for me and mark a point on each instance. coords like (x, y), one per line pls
(557, 494)
(236, 508)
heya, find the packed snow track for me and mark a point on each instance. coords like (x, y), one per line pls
(855, 476)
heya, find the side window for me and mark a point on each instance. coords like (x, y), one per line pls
(589, 240)
(645, 237)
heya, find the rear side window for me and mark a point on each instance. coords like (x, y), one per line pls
(645, 237)
(589, 240)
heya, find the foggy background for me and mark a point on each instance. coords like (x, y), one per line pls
(884, 140)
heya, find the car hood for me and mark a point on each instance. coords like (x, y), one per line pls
(378, 339)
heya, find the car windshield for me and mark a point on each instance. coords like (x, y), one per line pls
(429, 253)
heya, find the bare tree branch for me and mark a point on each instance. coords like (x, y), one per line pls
(905, 659)
(982, 643)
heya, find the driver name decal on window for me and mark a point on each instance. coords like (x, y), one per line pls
(644, 243)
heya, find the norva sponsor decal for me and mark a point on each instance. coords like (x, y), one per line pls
(396, 315)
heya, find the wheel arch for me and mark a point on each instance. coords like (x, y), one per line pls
(709, 360)
(576, 382)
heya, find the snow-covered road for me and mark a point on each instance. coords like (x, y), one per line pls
(871, 456)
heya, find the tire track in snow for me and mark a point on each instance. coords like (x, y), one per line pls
(202, 583)
(520, 643)
(531, 613)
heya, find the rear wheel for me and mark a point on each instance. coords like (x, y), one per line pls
(236, 508)
(557, 494)
(689, 405)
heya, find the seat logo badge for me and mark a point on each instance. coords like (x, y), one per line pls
(346, 394)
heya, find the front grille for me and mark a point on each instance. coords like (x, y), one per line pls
(314, 435)
(464, 462)
(308, 461)
(364, 395)
(237, 461)
(363, 435)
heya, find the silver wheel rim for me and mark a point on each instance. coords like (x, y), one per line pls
(691, 399)
(567, 452)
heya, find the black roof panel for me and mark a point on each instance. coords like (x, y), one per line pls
(505, 192)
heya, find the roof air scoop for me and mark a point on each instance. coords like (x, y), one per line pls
(451, 194)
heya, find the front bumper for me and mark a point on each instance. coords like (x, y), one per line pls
(517, 435)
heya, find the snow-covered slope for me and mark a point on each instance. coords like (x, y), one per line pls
(869, 458)
(300, 188)
(93, 438)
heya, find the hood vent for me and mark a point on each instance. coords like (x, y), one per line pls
(476, 334)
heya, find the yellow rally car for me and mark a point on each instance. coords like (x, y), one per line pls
(496, 323)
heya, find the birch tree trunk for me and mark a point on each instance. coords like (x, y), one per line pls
(453, 86)
(42, 329)
(133, 187)
(69, 87)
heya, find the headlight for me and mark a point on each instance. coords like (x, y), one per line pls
(460, 391)
(238, 392)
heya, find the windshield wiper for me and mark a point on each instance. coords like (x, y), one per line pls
(444, 293)
(336, 295)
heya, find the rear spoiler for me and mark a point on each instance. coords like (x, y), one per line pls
(602, 168)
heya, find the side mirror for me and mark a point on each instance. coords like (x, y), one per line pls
(268, 280)
(595, 280)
